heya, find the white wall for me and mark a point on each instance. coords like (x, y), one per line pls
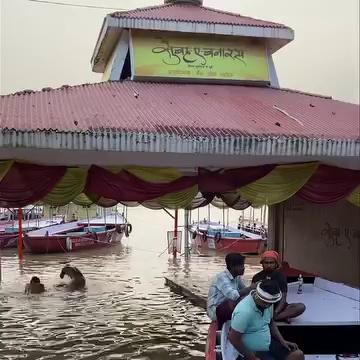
(324, 239)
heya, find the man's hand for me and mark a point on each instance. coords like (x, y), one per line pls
(254, 285)
(291, 346)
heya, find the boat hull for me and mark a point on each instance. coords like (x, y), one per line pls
(8, 241)
(249, 246)
(70, 243)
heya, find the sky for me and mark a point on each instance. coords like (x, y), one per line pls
(50, 45)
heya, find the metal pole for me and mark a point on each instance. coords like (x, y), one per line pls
(223, 216)
(265, 208)
(88, 219)
(186, 229)
(209, 213)
(20, 237)
(0, 270)
(175, 234)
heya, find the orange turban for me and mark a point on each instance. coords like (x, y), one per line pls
(271, 254)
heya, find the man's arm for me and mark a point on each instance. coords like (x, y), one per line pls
(227, 289)
(275, 333)
(281, 305)
(282, 281)
(235, 338)
(243, 289)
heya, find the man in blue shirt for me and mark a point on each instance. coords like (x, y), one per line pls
(253, 332)
(227, 289)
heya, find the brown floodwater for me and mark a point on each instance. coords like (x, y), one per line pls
(126, 312)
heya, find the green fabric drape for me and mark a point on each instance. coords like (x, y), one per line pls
(68, 189)
(279, 185)
(5, 166)
(177, 200)
(354, 197)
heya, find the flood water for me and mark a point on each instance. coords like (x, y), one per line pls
(126, 312)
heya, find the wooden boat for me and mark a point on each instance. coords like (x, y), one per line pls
(77, 235)
(329, 325)
(215, 236)
(9, 231)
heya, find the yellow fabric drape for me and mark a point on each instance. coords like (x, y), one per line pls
(154, 175)
(279, 185)
(5, 166)
(354, 197)
(177, 200)
(68, 188)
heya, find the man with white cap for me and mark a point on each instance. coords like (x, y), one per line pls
(253, 332)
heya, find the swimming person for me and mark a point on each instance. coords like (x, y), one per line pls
(270, 261)
(253, 332)
(34, 286)
(77, 278)
(227, 289)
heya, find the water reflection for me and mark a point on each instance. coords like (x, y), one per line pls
(126, 311)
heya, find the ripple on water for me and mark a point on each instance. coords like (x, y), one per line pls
(125, 313)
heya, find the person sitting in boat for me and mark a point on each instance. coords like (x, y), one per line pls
(227, 289)
(77, 278)
(34, 286)
(283, 311)
(254, 333)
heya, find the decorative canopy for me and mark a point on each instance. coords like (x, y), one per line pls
(22, 184)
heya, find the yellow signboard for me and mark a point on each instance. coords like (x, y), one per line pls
(170, 55)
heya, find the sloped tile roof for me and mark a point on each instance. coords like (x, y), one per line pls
(182, 109)
(193, 13)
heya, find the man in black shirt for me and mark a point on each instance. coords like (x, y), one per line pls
(283, 311)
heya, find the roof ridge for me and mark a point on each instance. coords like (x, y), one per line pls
(141, 9)
(50, 89)
(302, 92)
(239, 15)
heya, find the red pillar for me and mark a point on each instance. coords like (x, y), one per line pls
(20, 238)
(175, 233)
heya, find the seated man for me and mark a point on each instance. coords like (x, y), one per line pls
(34, 286)
(227, 289)
(253, 332)
(77, 278)
(283, 311)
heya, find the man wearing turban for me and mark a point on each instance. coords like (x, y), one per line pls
(270, 261)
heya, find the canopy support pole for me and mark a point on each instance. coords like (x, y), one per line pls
(175, 233)
(20, 238)
(186, 229)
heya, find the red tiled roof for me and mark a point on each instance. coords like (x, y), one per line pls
(193, 13)
(185, 109)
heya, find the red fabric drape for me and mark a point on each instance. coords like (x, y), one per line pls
(329, 184)
(26, 184)
(228, 180)
(126, 187)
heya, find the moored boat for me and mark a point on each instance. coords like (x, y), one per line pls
(215, 236)
(9, 231)
(78, 235)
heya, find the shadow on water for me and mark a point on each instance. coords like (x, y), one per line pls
(126, 312)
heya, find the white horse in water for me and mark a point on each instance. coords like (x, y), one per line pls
(77, 278)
